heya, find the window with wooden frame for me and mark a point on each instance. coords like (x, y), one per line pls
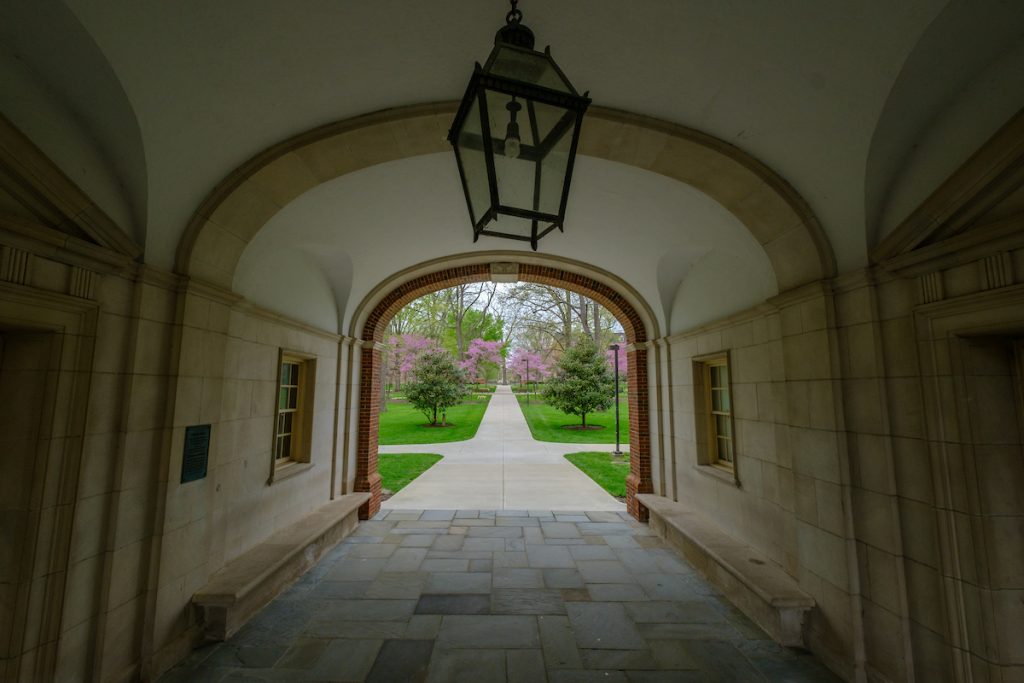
(293, 420)
(713, 398)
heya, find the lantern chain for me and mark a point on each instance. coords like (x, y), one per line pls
(515, 15)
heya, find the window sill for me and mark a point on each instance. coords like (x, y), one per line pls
(282, 472)
(719, 473)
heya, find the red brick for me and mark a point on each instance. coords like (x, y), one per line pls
(639, 479)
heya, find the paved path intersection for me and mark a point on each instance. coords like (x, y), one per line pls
(503, 467)
(479, 596)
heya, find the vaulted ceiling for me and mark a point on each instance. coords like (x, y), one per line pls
(863, 108)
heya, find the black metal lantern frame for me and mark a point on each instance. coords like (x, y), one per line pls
(515, 137)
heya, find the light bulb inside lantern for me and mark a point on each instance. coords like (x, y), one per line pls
(512, 146)
(512, 141)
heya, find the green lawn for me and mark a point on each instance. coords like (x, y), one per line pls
(546, 423)
(602, 468)
(398, 469)
(403, 424)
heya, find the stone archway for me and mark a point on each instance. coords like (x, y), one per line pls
(235, 211)
(372, 333)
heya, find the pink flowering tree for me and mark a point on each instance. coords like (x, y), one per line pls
(402, 353)
(523, 359)
(623, 364)
(479, 354)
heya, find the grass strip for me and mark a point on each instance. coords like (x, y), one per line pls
(609, 473)
(398, 469)
(403, 424)
(546, 423)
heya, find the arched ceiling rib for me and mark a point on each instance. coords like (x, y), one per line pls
(170, 97)
(363, 226)
(798, 85)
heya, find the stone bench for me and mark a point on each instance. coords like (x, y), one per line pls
(748, 579)
(247, 583)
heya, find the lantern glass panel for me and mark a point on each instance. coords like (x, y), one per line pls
(554, 149)
(515, 176)
(515, 181)
(526, 65)
(474, 163)
(513, 226)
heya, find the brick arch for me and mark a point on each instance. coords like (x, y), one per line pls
(367, 477)
(376, 322)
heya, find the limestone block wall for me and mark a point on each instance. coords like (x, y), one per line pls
(878, 421)
(78, 607)
(227, 376)
(791, 498)
(934, 389)
(128, 435)
(348, 414)
(254, 509)
(125, 357)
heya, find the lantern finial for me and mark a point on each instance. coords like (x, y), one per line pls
(513, 32)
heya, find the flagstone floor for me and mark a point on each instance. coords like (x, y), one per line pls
(479, 596)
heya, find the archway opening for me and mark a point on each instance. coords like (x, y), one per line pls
(375, 329)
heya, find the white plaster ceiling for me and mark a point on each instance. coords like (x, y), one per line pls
(59, 89)
(644, 227)
(803, 86)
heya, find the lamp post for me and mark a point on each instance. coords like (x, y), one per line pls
(515, 137)
(615, 349)
(527, 381)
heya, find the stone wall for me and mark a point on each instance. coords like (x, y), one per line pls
(128, 356)
(879, 461)
(787, 497)
(227, 377)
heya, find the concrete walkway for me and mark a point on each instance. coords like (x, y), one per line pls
(502, 468)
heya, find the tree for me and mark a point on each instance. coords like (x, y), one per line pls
(438, 385)
(554, 318)
(476, 324)
(508, 312)
(464, 298)
(583, 383)
(479, 355)
(401, 353)
(523, 360)
(623, 360)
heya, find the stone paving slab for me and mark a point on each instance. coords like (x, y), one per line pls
(606, 610)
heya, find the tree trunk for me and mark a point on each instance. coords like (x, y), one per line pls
(434, 421)
(584, 417)
(566, 307)
(584, 311)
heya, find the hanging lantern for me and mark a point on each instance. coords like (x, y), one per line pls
(515, 138)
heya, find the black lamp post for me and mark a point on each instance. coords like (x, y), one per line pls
(618, 450)
(515, 137)
(527, 381)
